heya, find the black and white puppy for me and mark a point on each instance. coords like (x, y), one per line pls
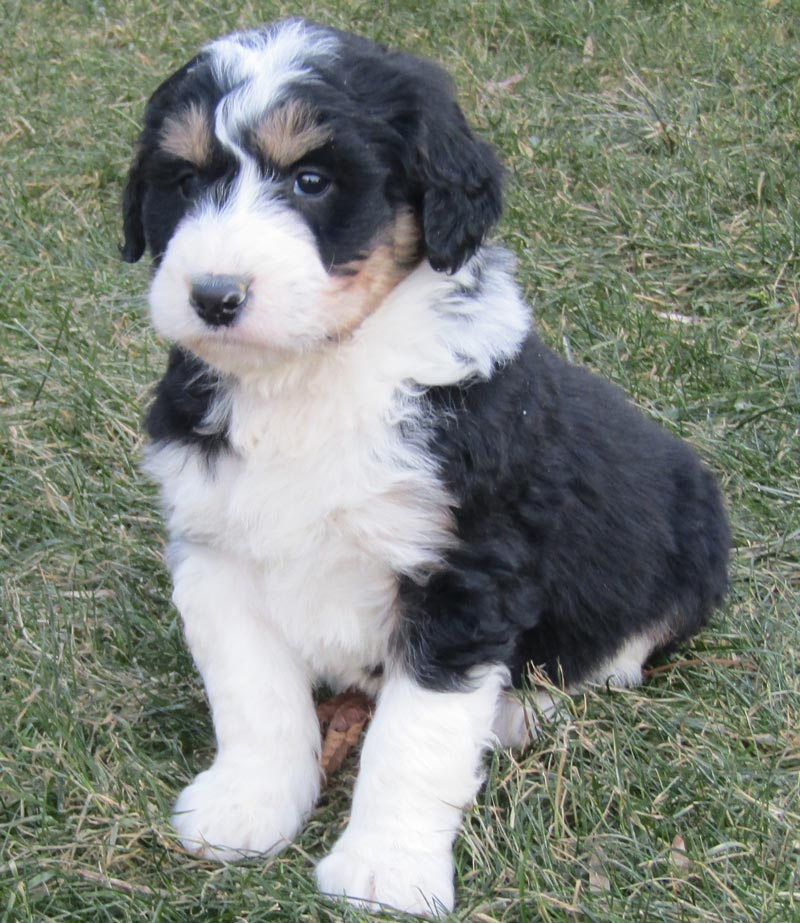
(374, 473)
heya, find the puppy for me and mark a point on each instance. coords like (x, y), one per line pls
(374, 474)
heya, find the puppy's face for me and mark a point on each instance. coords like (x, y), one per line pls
(287, 179)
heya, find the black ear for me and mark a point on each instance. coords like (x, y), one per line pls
(132, 200)
(461, 179)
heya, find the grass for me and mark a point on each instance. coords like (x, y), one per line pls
(653, 204)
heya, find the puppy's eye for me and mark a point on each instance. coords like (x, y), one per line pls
(189, 185)
(310, 183)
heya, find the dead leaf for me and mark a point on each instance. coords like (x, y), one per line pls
(588, 49)
(342, 720)
(500, 86)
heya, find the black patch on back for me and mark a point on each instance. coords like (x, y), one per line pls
(580, 523)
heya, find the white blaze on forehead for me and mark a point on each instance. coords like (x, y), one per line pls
(256, 66)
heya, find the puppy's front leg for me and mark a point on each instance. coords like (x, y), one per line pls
(265, 778)
(420, 767)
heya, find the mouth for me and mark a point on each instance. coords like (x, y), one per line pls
(237, 341)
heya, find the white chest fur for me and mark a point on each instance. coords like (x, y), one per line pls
(322, 499)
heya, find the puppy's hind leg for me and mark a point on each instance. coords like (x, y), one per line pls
(520, 713)
(626, 668)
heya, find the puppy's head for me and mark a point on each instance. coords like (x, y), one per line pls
(288, 178)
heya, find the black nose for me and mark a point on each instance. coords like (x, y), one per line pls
(218, 298)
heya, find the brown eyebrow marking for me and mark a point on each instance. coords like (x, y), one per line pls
(188, 135)
(289, 132)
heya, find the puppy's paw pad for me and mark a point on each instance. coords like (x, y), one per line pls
(230, 812)
(378, 876)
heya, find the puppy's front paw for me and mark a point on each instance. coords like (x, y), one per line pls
(370, 872)
(243, 807)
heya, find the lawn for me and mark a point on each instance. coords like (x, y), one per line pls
(653, 203)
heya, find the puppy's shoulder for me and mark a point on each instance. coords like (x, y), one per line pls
(538, 415)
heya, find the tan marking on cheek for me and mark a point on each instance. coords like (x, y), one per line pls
(188, 135)
(288, 133)
(355, 296)
(406, 239)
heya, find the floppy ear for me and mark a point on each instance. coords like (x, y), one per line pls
(133, 198)
(132, 227)
(460, 177)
